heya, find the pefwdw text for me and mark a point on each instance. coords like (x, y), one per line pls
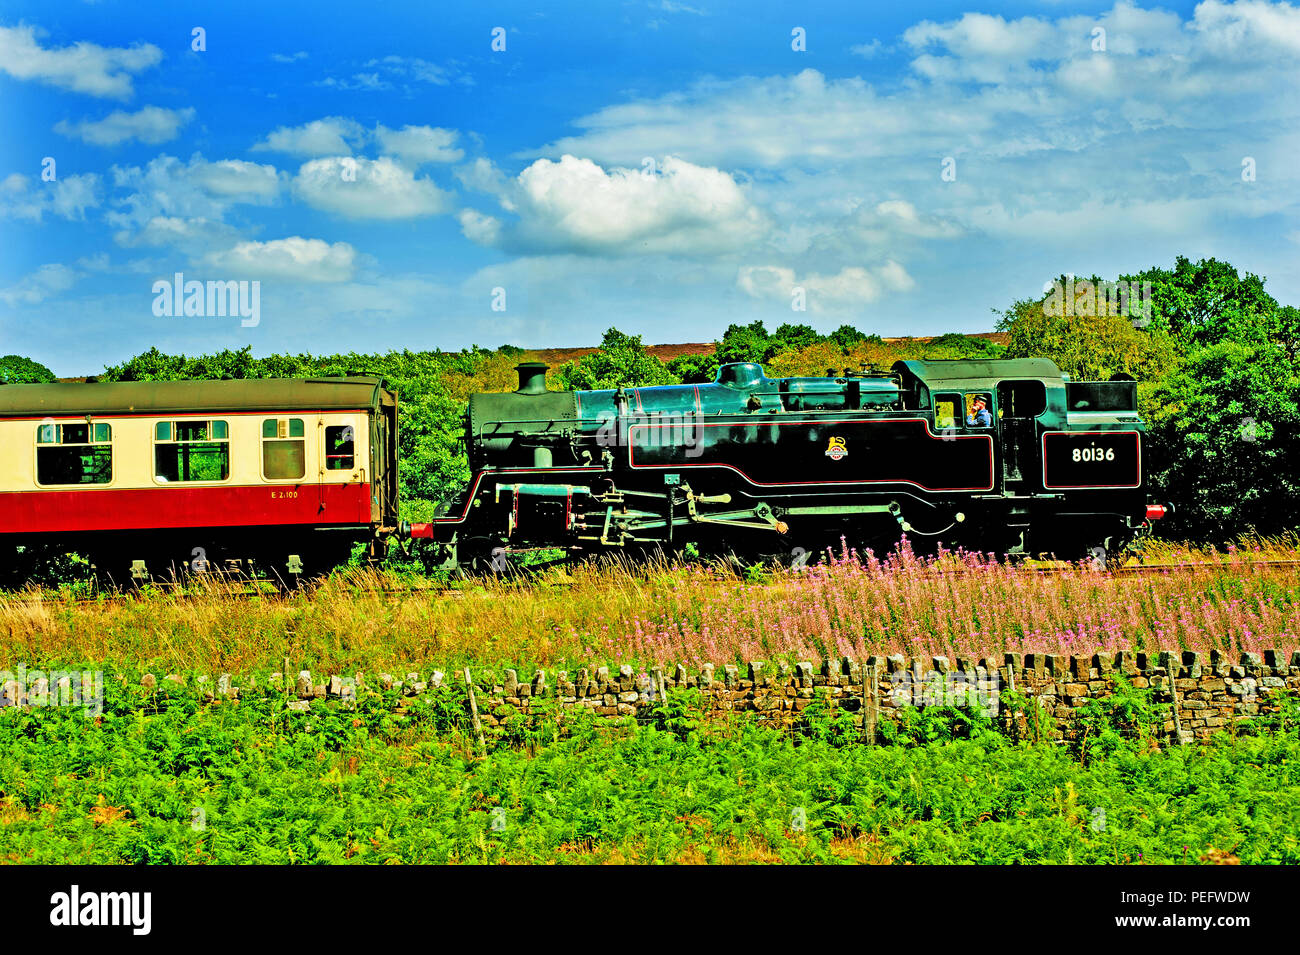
(102, 908)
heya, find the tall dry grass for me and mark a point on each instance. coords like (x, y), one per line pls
(850, 604)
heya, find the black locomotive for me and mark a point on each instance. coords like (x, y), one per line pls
(1007, 456)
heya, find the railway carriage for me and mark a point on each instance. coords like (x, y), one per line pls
(996, 455)
(144, 477)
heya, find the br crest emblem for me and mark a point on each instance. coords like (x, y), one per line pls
(836, 449)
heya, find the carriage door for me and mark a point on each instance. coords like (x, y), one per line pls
(1019, 405)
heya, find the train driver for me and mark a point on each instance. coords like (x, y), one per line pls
(979, 416)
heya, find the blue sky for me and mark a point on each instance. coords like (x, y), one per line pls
(667, 167)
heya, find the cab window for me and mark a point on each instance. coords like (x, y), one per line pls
(284, 449)
(945, 412)
(80, 453)
(979, 409)
(191, 451)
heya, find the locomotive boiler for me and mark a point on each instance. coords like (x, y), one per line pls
(1008, 456)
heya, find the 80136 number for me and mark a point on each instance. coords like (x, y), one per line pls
(1093, 454)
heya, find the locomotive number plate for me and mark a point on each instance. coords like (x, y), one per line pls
(1091, 459)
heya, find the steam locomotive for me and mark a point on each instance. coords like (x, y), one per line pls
(1008, 456)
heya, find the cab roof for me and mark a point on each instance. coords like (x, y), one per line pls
(939, 373)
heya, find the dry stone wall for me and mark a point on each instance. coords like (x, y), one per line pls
(1036, 694)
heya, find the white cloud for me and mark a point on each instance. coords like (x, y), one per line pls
(95, 262)
(414, 68)
(358, 81)
(480, 228)
(850, 287)
(867, 50)
(419, 144)
(340, 136)
(331, 136)
(289, 57)
(192, 236)
(294, 259)
(152, 125)
(45, 282)
(196, 189)
(21, 197)
(574, 205)
(979, 35)
(672, 6)
(82, 67)
(391, 72)
(482, 175)
(368, 189)
(1248, 26)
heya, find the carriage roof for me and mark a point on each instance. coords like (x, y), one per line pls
(185, 397)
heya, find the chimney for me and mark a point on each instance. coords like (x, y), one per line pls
(532, 377)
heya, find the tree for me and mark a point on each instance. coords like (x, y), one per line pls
(1086, 347)
(846, 336)
(17, 370)
(744, 343)
(620, 360)
(695, 369)
(793, 336)
(1201, 303)
(1227, 441)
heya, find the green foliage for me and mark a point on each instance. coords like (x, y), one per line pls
(621, 360)
(752, 342)
(745, 343)
(695, 369)
(17, 370)
(796, 336)
(956, 345)
(160, 777)
(846, 336)
(1228, 427)
(1123, 721)
(1208, 302)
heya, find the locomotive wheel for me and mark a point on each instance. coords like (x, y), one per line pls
(485, 557)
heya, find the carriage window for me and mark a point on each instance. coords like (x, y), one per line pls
(284, 449)
(338, 448)
(191, 451)
(74, 453)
